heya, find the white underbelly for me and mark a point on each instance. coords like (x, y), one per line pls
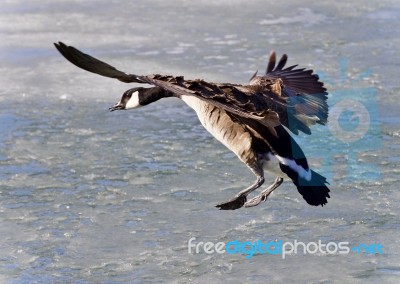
(202, 108)
(271, 165)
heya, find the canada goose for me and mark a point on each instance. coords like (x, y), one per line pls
(249, 120)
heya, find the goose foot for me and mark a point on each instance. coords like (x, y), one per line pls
(256, 200)
(262, 197)
(235, 203)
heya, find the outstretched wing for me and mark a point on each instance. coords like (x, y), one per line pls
(297, 104)
(295, 81)
(223, 97)
(91, 64)
(305, 95)
(244, 101)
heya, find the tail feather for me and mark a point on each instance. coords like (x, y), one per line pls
(314, 191)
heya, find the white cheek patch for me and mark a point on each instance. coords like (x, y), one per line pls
(133, 101)
(294, 166)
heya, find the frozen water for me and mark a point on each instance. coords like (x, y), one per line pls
(88, 196)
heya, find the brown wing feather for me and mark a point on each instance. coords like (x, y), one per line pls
(92, 64)
(200, 89)
(236, 99)
(304, 93)
(300, 81)
(253, 102)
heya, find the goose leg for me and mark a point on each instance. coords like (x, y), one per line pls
(264, 194)
(240, 199)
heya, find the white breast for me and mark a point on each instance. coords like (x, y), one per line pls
(202, 110)
(193, 102)
(215, 120)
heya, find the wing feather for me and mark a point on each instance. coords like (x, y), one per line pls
(225, 96)
(306, 96)
(205, 91)
(91, 64)
(271, 62)
(301, 104)
(300, 80)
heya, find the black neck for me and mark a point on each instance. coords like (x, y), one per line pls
(150, 95)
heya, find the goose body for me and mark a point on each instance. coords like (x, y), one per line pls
(250, 120)
(218, 123)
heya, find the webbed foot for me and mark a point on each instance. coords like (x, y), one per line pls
(255, 200)
(264, 194)
(234, 203)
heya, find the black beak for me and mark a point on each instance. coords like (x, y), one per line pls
(115, 107)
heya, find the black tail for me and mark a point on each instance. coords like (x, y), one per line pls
(314, 191)
(293, 162)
